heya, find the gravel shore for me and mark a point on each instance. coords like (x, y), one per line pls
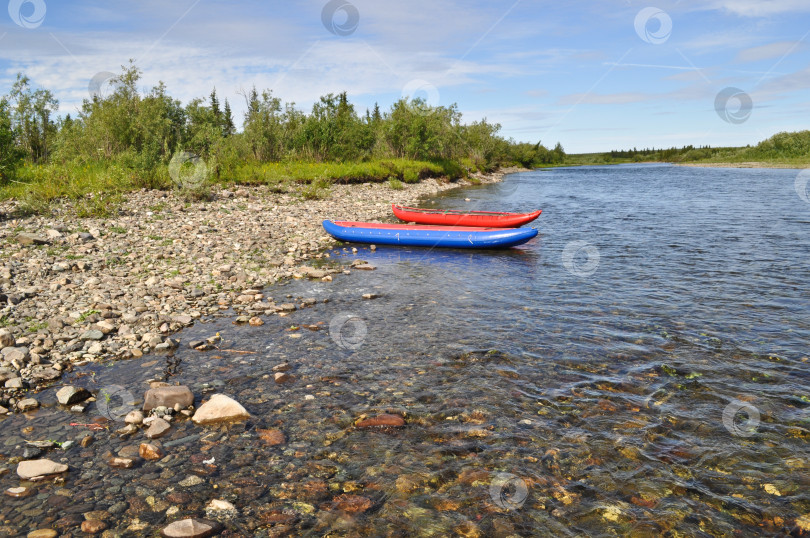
(79, 290)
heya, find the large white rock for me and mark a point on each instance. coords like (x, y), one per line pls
(220, 408)
(27, 469)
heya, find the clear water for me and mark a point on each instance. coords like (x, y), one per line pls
(640, 368)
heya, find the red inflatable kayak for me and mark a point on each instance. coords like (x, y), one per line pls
(448, 217)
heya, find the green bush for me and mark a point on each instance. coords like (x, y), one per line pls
(126, 140)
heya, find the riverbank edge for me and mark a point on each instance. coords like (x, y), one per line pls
(92, 290)
(752, 164)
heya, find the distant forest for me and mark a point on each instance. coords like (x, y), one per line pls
(782, 148)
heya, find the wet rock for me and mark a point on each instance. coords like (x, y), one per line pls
(44, 445)
(121, 463)
(220, 510)
(177, 497)
(190, 528)
(282, 377)
(35, 468)
(168, 397)
(352, 504)
(158, 428)
(191, 481)
(150, 451)
(382, 421)
(19, 492)
(220, 408)
(118, 508)
(70, 395)
(272, 437)
(42, 533)
(70, 520)
(93, 526)
(31, 453)
(468, 529)
(129, 429)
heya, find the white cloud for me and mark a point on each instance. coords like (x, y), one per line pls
(760, 8)
(767, 52)
(217, 44)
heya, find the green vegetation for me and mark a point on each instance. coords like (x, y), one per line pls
(783, 149)
(129, 140)
(84, 315)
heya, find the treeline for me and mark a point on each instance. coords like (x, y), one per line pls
(138, 135)
(782, 148)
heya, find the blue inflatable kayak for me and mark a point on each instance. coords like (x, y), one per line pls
(428, 236)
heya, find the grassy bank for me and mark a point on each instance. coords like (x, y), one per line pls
(99, 188)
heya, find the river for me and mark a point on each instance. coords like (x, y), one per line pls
(640, 368)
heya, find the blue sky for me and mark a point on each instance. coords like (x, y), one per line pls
(592, 75)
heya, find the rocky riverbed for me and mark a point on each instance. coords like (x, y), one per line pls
(78, 290)
(87, 304)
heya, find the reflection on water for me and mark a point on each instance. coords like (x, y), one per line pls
(665, 392)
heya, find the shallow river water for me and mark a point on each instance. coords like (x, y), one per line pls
(640, 368)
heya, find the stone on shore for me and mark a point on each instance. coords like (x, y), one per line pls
(27, 404)
(70, 395)
(31, 239)
(28, 469)
(190, 528)
(6, 338)
(92, 335)
(168, 397)
(220, 408)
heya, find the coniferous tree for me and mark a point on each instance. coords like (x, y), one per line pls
(228, 127)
